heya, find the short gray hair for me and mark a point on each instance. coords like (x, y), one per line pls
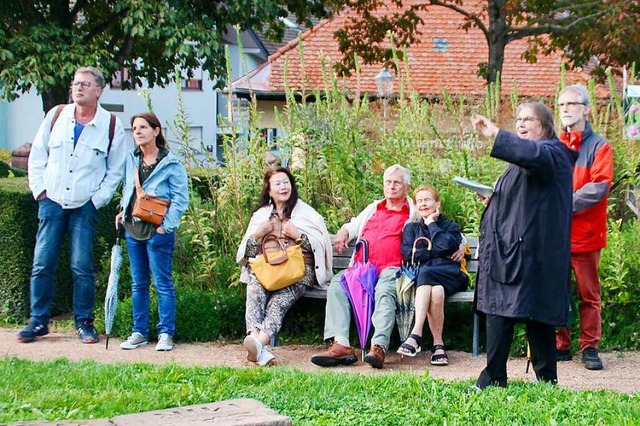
(578, 89)
(97, 74)
(406, 174)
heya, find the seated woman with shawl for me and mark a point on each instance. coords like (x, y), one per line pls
(438, 275)
(282, 214)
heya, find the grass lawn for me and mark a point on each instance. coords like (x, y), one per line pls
(60, 389)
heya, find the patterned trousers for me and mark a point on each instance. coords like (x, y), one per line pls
(265, 310)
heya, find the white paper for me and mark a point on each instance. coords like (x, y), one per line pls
(477, 187)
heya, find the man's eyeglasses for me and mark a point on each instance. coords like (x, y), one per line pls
(526, 119)
(570, 104)
(83, 84)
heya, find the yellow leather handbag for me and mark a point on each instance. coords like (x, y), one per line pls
(279, 269)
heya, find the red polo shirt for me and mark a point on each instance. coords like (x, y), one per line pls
(383, 232)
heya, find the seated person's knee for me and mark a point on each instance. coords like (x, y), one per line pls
(437, 294)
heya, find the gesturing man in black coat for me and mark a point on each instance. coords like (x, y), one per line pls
(524, 268)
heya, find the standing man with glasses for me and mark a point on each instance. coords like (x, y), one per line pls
(592, 177)
(75, 166)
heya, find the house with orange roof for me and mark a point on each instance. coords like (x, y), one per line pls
(447, 57)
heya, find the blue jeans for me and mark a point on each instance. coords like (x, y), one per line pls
(54, 223)
(152, 257)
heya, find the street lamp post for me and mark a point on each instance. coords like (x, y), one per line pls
(384, 83)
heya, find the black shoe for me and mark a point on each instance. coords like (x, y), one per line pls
(563, 355)
(31, 331)
(87, 333)
(591, 359)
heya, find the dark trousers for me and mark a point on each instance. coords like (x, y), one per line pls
(542, 342)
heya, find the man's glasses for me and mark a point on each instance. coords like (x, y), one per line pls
(526, 119)
(570, 104)
(83, 84)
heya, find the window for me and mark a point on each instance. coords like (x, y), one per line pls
(271, 138)
(440, 45)
(192, 84)
(123, 79)
(192, 80)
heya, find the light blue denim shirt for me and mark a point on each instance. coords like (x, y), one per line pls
(72, 176)
(168, 180)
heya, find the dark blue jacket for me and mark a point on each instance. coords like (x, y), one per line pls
(445, 238)
(525, 233)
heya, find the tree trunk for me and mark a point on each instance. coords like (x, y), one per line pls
(54, 96)
(496, 60)
(497, 39)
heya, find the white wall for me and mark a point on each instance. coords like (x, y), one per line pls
(23, 118)
(3, 123)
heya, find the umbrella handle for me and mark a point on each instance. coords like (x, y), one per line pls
(415, 243)
(119, 232)
(365, 248)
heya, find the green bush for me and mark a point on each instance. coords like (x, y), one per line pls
(200, 315)
(620, 280)
(5, 155)
(8, 171)
(18, 226)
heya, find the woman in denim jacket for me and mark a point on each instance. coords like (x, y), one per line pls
(150, 247)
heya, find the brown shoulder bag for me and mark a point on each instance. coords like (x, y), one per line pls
(148, 208)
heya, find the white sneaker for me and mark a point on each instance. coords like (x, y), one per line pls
(165, 342)
(253, 347)
(266, 358)
(136, 339)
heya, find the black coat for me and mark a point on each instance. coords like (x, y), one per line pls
(436, 268)
(525, 234)
(445, 238)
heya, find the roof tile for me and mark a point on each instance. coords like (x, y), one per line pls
(446, 57)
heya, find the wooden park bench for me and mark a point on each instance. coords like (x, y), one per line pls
(341, 261)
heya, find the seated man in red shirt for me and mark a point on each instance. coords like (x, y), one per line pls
(381, 224)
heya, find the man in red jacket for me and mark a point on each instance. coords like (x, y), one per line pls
(592, 178)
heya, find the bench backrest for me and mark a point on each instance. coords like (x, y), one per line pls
(341, 261)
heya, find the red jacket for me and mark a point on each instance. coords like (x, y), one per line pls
(592, 177)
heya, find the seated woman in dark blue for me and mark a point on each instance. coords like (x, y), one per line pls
(438, 276)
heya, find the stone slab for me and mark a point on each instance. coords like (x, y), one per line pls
(100, 422)
(232, 412)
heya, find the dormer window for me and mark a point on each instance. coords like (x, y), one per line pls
(440, 45)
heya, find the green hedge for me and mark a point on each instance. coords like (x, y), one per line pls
(200, 315)
(18, 227)
(8, 171)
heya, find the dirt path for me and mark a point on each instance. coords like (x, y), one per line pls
(621, 373)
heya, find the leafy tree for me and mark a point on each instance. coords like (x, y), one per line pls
(42, 42)
(614, 38)
(582, 27)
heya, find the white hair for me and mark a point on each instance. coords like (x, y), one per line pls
(406, 174)
(578, 89)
